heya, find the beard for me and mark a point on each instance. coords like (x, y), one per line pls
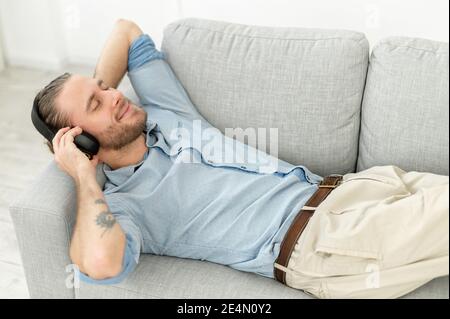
(117, 136)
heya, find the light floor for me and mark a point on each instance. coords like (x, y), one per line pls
(23, 155)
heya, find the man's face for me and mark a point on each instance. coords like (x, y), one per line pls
(103, 112)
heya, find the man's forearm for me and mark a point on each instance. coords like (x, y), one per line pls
(113, 61)
(98, 242)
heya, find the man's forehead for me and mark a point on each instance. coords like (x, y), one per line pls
(75, 91)
(81, 80)
(75, 82)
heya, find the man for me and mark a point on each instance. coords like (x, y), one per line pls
(380, 233)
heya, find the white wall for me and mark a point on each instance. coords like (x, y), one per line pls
(2, 64)
(49, 33)
(86, 23)
(30, 33)
(376, 18)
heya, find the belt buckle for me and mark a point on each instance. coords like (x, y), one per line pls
(339, 182)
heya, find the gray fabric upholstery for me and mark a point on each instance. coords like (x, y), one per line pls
(308, 83)
(405, 112)
(231, 72)
(169, 277)
(43, 216)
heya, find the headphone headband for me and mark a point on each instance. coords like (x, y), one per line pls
(39, 124)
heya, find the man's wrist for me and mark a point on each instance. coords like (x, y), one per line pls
(85, 176)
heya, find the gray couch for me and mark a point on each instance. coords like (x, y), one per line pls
(336, 111)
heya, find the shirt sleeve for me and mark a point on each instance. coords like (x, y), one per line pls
(132, 248)
(154, 81)
(142, 50)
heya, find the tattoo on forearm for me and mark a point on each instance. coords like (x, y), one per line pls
(105, 219)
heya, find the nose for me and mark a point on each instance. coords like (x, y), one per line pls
(117, 99)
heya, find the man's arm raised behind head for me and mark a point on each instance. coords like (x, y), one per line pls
(113, 60)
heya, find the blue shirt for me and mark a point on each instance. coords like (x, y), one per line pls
(187, 201)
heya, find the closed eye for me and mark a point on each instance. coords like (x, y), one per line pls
(98, 103)
(96, 106)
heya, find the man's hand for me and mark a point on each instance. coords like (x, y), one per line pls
(69, 158)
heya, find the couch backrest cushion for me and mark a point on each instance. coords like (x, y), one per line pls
(405, 108)
(308, 83)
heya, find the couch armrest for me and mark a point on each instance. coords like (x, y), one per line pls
(43, 216)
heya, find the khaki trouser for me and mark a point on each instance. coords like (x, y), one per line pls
(380, 234)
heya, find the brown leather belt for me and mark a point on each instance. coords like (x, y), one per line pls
(298, 225)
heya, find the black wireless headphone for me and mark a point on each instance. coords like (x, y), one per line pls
(84, 141)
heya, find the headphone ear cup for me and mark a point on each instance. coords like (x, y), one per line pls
(87, 143)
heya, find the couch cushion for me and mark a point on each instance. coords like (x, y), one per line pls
(308, 83)
(406, 108)
(170, 277)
